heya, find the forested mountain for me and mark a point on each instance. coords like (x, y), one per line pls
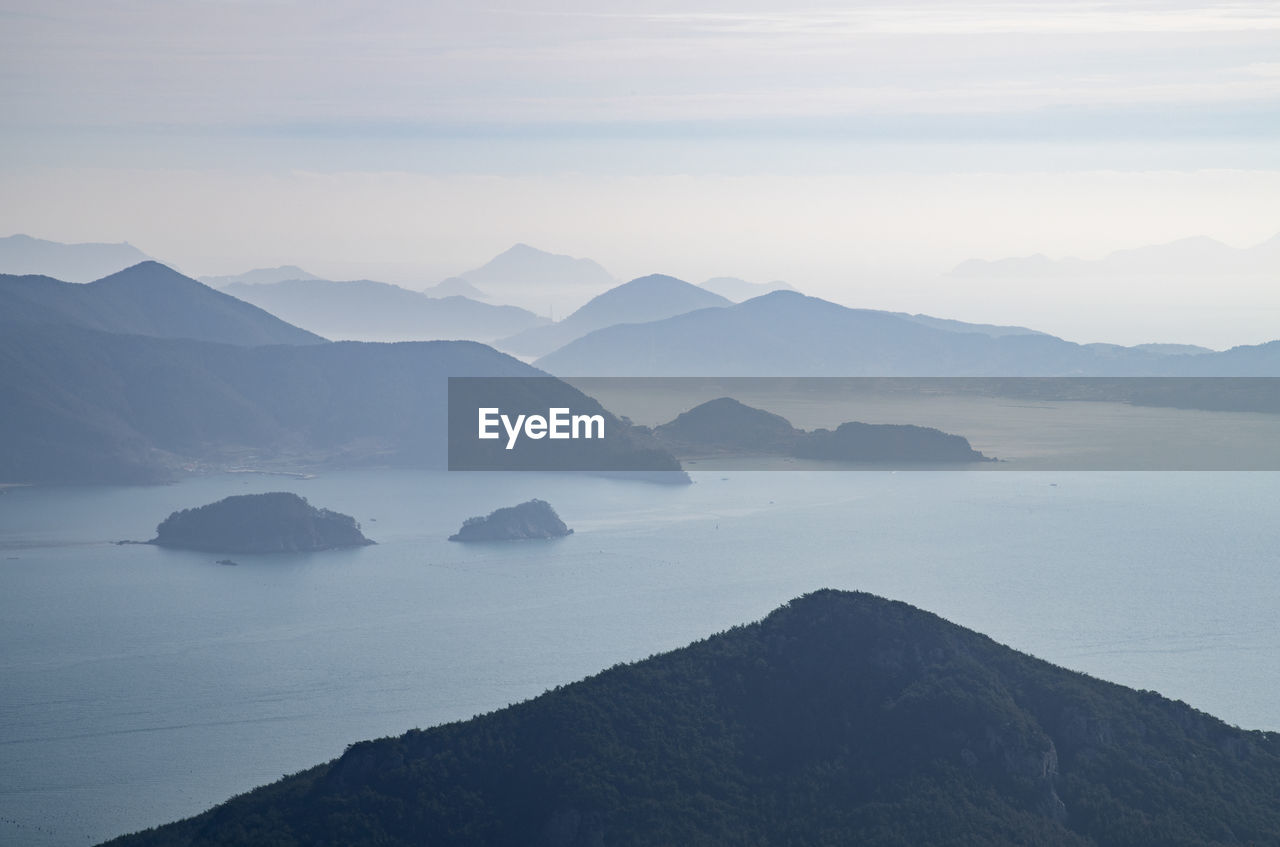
(841, 718)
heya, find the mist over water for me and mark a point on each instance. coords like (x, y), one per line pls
(144, 684)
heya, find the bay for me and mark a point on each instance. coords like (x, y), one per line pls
(139, 685)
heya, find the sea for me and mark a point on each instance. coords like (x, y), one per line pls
(139, 685)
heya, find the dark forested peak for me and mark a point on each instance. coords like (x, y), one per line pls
(840, 718)
(277, 522)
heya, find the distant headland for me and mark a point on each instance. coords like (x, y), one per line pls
(725, 425)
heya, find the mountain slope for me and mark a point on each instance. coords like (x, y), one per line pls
(86, 406)
(146, 299)
(789, 334)
(364, 310)
(23, 255)
(648, 298)
(840, 718)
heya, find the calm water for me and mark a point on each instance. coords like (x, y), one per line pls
(139, 685)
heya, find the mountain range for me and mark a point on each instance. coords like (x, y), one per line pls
(147, 374)
(1198, 256)
(648, 298)
(364, 310)
(841, 718)
(788, 334)
(22, 255)
(259, 276)
(145, 299)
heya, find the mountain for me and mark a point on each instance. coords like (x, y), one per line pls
(87, 406)
(737, 290)
(726, 424)
(259, 276)
(648, 298)
(364, 310)
(22, 255)
(841, 718)
(145, 299)
(539, 281)
(788, 334)
(455, 286)
(1197, 256)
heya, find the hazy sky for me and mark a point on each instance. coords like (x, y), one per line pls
(858, 150)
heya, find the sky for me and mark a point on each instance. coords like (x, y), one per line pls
(858, 150)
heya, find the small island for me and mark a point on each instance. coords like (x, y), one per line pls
(531, 519)
(278, 522)
(726, 426)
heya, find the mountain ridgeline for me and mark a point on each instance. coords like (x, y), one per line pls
(648, 298)
(364, 310)
(841, 718)
(23, 255)
(145, 299)
(788, 334)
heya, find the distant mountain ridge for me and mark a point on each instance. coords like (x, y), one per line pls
(539, 281)
(22, 255)
(840, 718)
(738, 290)
(789, 334)
(1195, 256)
(145, 299)
(259, 276)
(646, 298)
(365, 310)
